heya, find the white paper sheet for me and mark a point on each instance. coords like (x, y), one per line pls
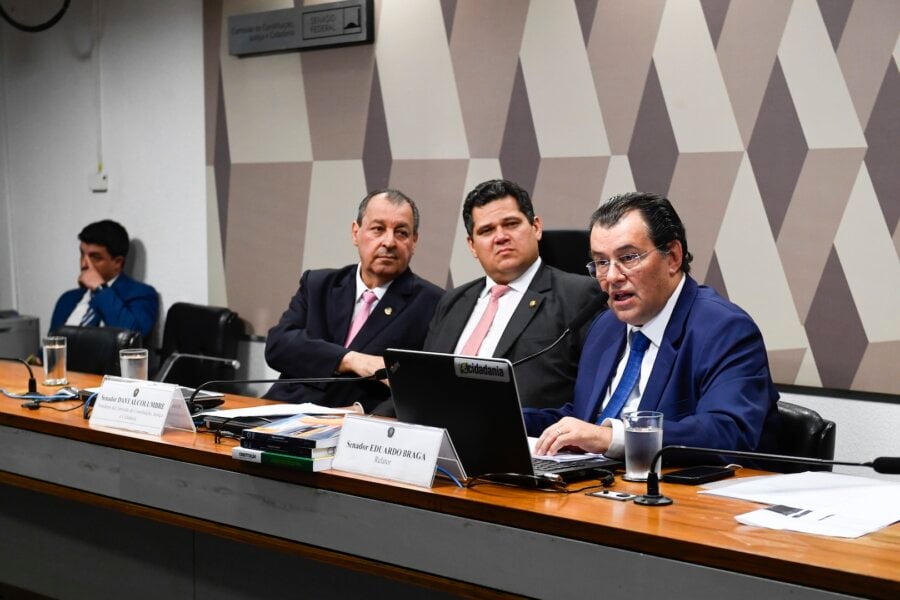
(824, 503)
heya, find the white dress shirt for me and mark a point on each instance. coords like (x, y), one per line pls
(506, 306)
(655, 330)
(361, 287)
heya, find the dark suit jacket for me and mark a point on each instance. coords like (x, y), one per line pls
(551, 302)
(308, 341)
(127, 303)
(710, 379)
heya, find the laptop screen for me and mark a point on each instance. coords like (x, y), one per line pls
(475, 399)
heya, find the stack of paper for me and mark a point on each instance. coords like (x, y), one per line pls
(818, 502)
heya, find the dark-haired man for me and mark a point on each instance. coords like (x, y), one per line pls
(340, 321)
(667, 344)
(521, 305)
(105, 295)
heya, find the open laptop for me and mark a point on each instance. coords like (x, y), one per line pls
(477, 401)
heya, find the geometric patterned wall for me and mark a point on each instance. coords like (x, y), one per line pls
(772, 125)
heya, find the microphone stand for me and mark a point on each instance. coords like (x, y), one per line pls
(176, 356)
(32, 382)
(653, 497)
(376, 376)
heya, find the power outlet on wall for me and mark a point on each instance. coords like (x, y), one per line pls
(100, 182)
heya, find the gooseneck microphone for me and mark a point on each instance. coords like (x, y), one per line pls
(176, 356)
(32, 382)
(376, 376)
(597, 305)
(886, 464)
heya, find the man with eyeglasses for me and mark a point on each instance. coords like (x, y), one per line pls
(666, 344)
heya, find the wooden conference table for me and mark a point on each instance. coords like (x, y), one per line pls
(96, 513)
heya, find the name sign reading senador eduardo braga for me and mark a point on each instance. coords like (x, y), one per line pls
(393, 450)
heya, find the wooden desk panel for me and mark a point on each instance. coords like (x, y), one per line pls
(502, 538)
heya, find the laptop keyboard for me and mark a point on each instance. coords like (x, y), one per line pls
(542, 465)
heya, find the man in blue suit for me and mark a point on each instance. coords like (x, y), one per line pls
(696, 357)
(340, 321)
(106, 296)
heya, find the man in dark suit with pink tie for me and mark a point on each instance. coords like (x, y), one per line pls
(341, 320)
(521, 305)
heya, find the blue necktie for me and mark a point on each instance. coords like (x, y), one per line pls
(639, 345)
(91, 315)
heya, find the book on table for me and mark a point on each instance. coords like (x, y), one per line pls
(295, 434)
(302, 452)
(266, 457)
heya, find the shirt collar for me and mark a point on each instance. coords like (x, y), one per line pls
(519, 284)
(380, 291)
(655, 328)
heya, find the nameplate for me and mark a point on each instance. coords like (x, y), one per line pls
(392, 450)
(342, 23)
(143, 406)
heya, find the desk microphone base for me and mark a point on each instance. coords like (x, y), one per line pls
(653, 500)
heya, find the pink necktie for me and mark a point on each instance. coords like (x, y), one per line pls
(484, 325)
(369, 298)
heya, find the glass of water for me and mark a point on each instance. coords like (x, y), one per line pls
(133, 363)
(55, 360)
(643, 439)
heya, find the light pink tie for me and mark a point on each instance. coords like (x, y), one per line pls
(369, 298)
(484, 325)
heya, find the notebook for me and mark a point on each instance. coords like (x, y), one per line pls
(477, 401)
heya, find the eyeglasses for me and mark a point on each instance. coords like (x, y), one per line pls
(625, 263)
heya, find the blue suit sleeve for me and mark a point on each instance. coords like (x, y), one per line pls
(136, 308)
(732, 397)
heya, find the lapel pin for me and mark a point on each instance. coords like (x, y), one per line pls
(532, 304)
(388, 310)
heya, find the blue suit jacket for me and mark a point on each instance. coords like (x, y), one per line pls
(127, 303)
(710, 379)
(308, 341)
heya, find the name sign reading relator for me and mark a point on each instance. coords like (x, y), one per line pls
(142, 406)
(393, 450)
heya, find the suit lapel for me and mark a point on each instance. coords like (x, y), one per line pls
(386, 311)
(456, 317)
(342, 298)
(665, 358)
(528, 307)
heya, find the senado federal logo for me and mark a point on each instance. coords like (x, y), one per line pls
(472, 368)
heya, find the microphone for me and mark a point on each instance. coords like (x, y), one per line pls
(598, 304)
(886, 465)
(32, 382)
(176, 356)
(376, 376)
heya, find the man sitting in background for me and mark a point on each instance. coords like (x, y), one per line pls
(106, 296)
(341, 320)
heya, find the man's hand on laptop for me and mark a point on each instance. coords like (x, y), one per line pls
(570, 433)
(363, 365)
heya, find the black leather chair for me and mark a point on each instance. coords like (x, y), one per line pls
(96, 349)
(803, 432)
(566, 249)
(199, 344)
